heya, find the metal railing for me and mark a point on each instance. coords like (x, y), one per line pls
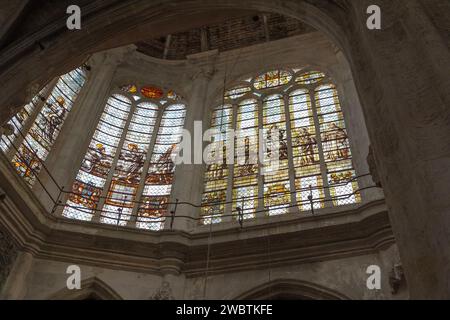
(239, 213)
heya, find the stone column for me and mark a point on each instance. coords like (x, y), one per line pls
(16, 285)
(402, 75)
(70, 147)
(188, 180)
(356, 129)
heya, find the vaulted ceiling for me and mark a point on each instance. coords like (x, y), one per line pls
(231, 34)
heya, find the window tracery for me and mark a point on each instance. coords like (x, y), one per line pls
(315, 163)
(127, 173)
(45, 129)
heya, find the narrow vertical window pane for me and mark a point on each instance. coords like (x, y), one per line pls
(127, 175)
(276, 171)
(97, 163)
(336, 145)
(245, 181)
(19, 120)
(216, 175)
(46, 128)
(159, 179)
(308, 179)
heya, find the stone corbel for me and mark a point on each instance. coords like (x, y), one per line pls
(373, 168)
(396, 278)
(113, 57)
(8, 254)
(163, 293)
(204, 64)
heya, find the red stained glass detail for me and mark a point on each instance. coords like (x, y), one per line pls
(152, 92)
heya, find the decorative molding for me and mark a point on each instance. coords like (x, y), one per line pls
(294, 239)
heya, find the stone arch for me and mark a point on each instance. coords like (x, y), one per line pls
(91, 289)
(289, 289)
(60, 49)
(384, 64)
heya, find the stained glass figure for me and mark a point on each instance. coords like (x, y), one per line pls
(159, 178)
(18, 122)
(99, 159)
(216, 174)
(245, 182)
(311, 125)
(276, 175)
(49, 121)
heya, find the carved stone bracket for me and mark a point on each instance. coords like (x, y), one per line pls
(163, 293)
(8, 254)
(373, 168)
(396, 278)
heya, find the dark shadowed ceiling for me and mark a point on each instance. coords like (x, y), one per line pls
(228, 35)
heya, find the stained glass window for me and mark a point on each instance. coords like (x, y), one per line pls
(216, 175)
(306, 158)
(130, 88)
(276, 167)
(126, 176)
(272, 79)
(159, 178)
(46, 127)
(310, 77)
(152, 92)
(336, 146)
(245, 178)
(99, 159)
(18, 122)
(237, 92)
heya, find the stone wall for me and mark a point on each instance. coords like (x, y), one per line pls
(334, 279)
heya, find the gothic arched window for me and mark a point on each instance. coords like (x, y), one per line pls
(315, 168)
(38, 124)
(127, 173)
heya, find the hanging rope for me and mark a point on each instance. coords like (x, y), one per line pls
(208, 255)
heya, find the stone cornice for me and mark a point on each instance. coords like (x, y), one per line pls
(282, 241)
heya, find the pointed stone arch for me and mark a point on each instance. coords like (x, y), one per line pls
(91, 289)
(289, 289)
